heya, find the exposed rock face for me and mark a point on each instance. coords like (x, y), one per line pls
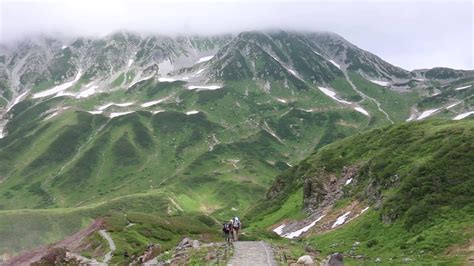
(324, 189)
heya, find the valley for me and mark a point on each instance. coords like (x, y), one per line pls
(160, 137)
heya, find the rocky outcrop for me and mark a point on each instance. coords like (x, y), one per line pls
(322, 190)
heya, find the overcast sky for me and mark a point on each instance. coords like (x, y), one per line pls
(410, 34)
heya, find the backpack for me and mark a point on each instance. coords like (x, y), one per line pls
(226, 228)
(236, 223)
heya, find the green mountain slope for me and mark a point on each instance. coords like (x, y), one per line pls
(415, 178)
(200, 125)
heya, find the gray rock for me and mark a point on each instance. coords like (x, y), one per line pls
(305, 260)
(195, 244)
(335, 259)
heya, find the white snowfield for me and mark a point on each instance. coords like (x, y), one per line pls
(332, 94)
(192, 112)
(279, 229)
(58, 88)
(204, 87)
(17, 100)
(88, 92)
(199, 71)
(341, 219)
(165, 79)
(95, 112)
(462, 116)
(380, 82)
(130, 62)
(281, 100)
(51, 115)
(452, 105)
(364, 210)
(348, 181)
(140, 80)
(103, 107)
(427, 113)
(112, 115)
(151, 103)
(297, 233)
(463, 88)
(1, 133)
(204, 59)
(334, 63)
(362, 110)
(412, 117)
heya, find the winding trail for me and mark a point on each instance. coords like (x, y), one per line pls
(255, 253)
(111, 242)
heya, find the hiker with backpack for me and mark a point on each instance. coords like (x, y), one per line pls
(227, 229)
(236, 225)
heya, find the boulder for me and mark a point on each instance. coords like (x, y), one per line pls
(305, 260)
(195, 244)
(335, 259)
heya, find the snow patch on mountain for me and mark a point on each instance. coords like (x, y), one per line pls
(103, 107)
(204, 59)
(58, 88)
(51, 115)
(166, 79)
(130, 62)
(348, 181)
(380, 82)
(297, 233)
(112, 115)
(362, 110)
(88, 92)
(341, 219)
(452, 105)
(279, 229)
(463, 88)
(17, 100)
(204, 87)
(412, 117)
(463, 115)
(427, 113)
(151, 103)
(332, 95)
(334, 63)
(281, 100)
(192, 112)
(95, 112)
(199, 71)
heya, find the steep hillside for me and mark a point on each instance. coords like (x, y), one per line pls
(403, 191)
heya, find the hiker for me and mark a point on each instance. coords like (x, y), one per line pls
(227, 228)
(236, 225)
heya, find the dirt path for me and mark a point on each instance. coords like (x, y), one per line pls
(256, 253)
(111, 243)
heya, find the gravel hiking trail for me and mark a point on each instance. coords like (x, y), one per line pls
(256, 253)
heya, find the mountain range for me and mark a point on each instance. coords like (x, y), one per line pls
(198, 127)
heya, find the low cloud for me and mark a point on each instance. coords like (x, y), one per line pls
(410, 34)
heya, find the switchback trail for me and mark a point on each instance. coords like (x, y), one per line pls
(256, 253)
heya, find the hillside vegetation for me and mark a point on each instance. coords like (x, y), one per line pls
(417, 178)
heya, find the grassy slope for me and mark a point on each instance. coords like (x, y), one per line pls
(429, 209)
